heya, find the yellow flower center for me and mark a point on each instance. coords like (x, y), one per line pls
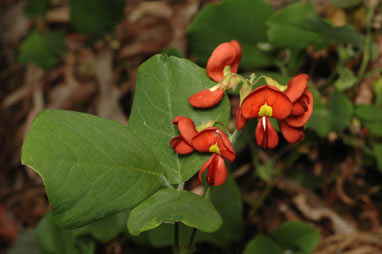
(214, 148)
(265, 110)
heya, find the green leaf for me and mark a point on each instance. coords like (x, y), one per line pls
(298, 25)
(346, 79)
(377, 150)
(241, 20)
(96, 17)
(26, 243)
(170, 206)
(105, 229)
(290, 237)
(286, 28)
(91, 167)
(371, 117)
(226, 200)
(36, 8)
(53, 239)
(262, 245)
(377, 87)
(319, 121)
(42, 49)
(163, 87)
(297, 234)
(231, 213)
(346, 3)
(341, 110)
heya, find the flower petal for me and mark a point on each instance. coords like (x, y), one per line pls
(240, 119)
(180, 146)
(226, 148)
(226, 54)
(218, 172)
(301, 120)
(296, 87)
(206, 98)
(205, 139)
(266, 135)
(205, 166)
(239, 52)
(273, 97)
(291, 134)
(186, 128)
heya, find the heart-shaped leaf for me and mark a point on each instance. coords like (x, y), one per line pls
(170, 206)
(241, 20)
(91, 167)
(163, 87)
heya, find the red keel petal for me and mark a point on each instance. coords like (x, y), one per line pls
(266, 136)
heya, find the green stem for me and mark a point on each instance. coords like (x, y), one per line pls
(366, 49)
(176, 237)
(194, 230)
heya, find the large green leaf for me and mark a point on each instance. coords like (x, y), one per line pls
(95, 17)
(241, 20)
(42, 49)
(163, 87)
(26, 243)
(377, 151)
(319, 121)
(341, 110)
(298, 26)
(91, 167)
(170, 206)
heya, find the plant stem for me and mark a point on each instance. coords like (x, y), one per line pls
(176, 237)
(194, 230)
(366, 49)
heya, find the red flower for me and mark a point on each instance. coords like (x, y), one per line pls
(226, 54)
(292, 127)
(264, 102)
(210, 139)
(182, 144)
(213, 140)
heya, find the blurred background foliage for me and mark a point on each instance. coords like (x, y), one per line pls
(322, 195)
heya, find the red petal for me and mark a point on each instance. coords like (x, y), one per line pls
(297, 109)
(205, 139)
(301, 120)
(240, 119)
(206, 98)
(209, 137)
(205, 166)
(296, 87)
(226, 54)
(226, 148)
(267, 138)
(218, 172)
(239, 52)
(186, 128)
(280, 103)
(291, 134)
(180, 146)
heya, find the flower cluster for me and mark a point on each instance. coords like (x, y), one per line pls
(210, 139)
(291, 105)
